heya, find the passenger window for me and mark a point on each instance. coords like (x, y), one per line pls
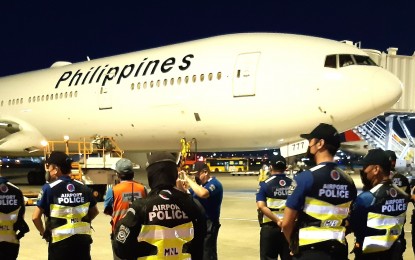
(210, 76)
(151, 84)
(219, 76)
(194, 78)
(132, 86)
(145, 85)
(158, 83)
(202, 77)
(21, 100)
(138, 85)
(331, 61)
(56, 96)
(47, 97)
(345, 60)
(38, 98)
(43, 97)
(61, 95)
(172, 81)
(76, 93)
(179, 80)
(70, 94)
(165, 82)
(186, 79)
(51, 96)
(29, 100)
(10, 102)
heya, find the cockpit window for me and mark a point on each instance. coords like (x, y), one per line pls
(364, 60)
(344, 60)
(331, 61)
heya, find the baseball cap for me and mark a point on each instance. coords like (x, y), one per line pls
(377, 157)
(326, 132)
(60, 159)
(391, 154)
(199, 166)
(123, 165)
(278, 160)
(157, 157)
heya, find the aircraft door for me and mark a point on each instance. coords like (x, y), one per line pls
(104, 98)
(244, 78)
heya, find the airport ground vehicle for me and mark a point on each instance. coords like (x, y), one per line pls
(228, 164)
(93, 161)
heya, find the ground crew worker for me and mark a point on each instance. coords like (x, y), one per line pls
(378, 214)
(209, 192)
(263, 173)
(119, 199)
(12, 224)
(167, 224)
(270, 200)
(402, 182)
(320, 201)
(69, 207)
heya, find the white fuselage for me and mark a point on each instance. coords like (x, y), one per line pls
(231, 92)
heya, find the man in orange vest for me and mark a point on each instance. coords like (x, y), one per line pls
(119, 198)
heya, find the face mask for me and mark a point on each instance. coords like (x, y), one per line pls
(197, 180)
(309, 155)
(366, 182)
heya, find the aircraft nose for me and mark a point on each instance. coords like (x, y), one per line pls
(386, 91)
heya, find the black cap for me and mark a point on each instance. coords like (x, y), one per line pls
(326, 132)
(60, 159)
(377, 157)
(157, 157)
(199, 166)
(278, 160)
(391, 155)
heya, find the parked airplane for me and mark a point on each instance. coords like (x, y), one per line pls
(232, 92)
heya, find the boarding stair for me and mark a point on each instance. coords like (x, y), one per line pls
(379, 133)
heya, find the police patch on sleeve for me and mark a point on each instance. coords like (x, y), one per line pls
(292, 187)
(123, 233)
(212, 187)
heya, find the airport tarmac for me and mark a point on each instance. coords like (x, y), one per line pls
(238, 236)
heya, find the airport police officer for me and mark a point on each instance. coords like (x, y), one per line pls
(167, 224)
(119, 198)
(378, 214)
(320, 201)
(403, 183)
(208, 191)
(12, 223)
(270, 200)
(69, 207)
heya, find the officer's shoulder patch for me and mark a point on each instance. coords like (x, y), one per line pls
(292, 187)
(212, 187)
(123, 234)
(4, 188)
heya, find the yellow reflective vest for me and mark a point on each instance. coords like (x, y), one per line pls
(277, 207)
(331, 217)
(169, 241)
(74, 224)
(7, 233)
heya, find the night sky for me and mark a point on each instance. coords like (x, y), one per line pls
(34, 34)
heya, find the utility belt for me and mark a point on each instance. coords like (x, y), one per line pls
(332, 247)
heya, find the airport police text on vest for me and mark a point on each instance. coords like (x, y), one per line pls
(166, 211)
(394, 205)
(71, 198)
(8, 200)
(334, 191)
